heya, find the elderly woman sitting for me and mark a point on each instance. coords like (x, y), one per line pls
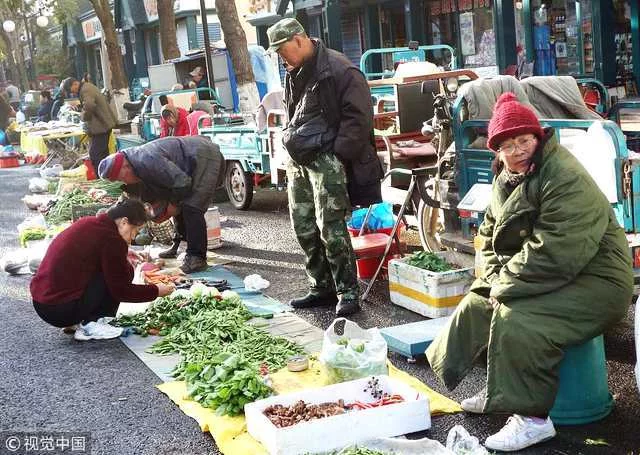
(557, 272)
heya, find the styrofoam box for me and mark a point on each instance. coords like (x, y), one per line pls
(431, 294)
(336, 432)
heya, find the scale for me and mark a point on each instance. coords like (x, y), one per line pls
(414, 338)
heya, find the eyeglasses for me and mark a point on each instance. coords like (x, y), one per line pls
(522, 143)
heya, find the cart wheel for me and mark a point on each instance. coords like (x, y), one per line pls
(239, 185)
(430, 240)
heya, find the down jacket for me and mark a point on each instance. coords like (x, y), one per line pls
(554, 226)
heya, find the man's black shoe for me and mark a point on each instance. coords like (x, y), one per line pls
(311, 300)
(171, 252)
(346, 307)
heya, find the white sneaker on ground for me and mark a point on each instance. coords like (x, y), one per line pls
(476, 403)
(520, 432)
(96, 331)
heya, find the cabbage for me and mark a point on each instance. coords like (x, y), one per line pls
(232, 297)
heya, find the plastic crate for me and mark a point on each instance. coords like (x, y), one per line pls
(80, 211)
(431, 294)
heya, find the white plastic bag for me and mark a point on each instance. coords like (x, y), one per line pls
(15, 262)
(254, 283)
(51, 172)
(38, 185)
(36, 253)
(460, 442)
(37, 221)
(353, 354)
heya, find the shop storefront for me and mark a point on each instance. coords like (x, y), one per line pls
(466, 25)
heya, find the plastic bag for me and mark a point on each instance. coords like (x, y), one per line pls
(38, 185)
(36, 221)
(354, 354)
(381, 217)
(15, 262)
(51, 172)
(36, 253)
(460, 442)
(253, 283)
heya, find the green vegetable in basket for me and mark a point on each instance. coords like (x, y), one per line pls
(61, 212)
(429, 261)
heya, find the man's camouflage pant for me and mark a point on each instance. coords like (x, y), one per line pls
(318, 204)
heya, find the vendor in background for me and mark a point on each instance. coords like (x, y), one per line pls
(173, 121)
(97, 115)
(85, 273)
(14, 95)
(6, 112)
(46, 103)
(197, 76)
(178, 176)
(557, 272)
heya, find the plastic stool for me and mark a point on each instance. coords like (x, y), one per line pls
(583, 394)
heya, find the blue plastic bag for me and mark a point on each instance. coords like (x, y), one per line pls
(381, 217)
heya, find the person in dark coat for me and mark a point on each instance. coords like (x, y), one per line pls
(46, 103)
(334, 165)
(178, 176)
(6, 112)
(97, 115)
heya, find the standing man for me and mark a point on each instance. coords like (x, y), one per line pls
(14, 95)
(178, 176)
(97, 115)
(329, 137)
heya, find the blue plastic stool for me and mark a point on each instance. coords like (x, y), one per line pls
(583, 394)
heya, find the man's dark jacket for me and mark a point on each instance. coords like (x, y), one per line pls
(177, 169)
(345, 101)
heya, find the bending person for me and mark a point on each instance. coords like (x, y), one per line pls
(86, 274)
(178, 176)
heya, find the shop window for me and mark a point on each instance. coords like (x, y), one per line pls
(467, 26)
(562, 37)
(624, 45)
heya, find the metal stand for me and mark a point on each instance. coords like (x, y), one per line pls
(403, 208)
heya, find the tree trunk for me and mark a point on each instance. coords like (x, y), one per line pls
(17, 74)
(236, 42)
(103, 11)
(168, 35)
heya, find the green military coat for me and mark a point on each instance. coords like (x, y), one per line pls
(559, 265)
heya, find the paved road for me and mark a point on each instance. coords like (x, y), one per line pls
(50, 382)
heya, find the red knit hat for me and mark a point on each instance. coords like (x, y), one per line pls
(511, 119)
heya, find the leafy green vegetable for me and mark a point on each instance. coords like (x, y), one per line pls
(32, 233)
(429, 261)
(225, 383)
(61, 211)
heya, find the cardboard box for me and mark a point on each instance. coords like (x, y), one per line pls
(431, 294)
(337, 432)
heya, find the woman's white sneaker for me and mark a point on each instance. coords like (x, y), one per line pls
(96, 331)
(520, 432)
(476, 403)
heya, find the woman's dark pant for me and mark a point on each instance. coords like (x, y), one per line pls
(96, 302)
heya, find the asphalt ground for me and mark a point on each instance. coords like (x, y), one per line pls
(49, 382)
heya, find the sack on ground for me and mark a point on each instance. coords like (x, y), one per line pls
(353, 354)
